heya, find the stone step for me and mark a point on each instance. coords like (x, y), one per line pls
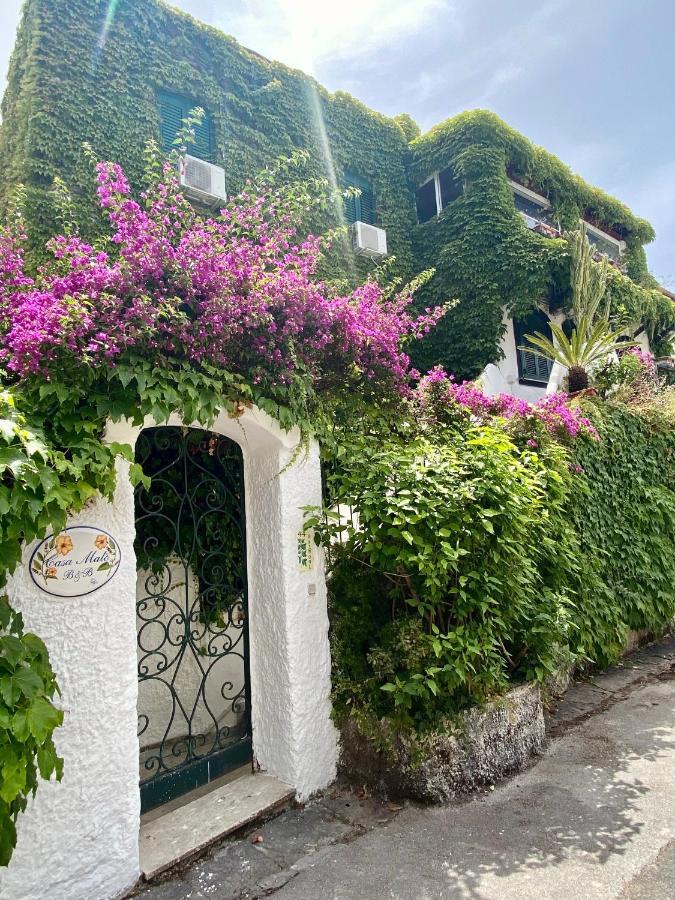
(177, 835)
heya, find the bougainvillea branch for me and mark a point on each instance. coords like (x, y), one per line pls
(239, 292)
(442, 399)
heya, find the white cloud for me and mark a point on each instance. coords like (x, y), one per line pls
(651, 194)
(305, 33)
(500, 79)
(492, 55)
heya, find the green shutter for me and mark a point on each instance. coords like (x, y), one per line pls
(203, 147)
(351, 214)
(170, 121)
(367, 202)
(172, 110)
(361, 208)
(531, 366)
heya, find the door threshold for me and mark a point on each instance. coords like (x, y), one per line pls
(195, 794)
(171, 837)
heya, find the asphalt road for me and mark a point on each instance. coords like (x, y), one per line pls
(594, 818)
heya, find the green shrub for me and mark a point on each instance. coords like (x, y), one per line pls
(469, 562)
(452, 578)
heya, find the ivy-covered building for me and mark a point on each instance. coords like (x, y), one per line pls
(471, 198)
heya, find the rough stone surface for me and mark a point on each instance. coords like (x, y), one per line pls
(487, 745)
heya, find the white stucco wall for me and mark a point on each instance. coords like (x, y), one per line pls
(643, 341)
(293, 735)
(78, 840)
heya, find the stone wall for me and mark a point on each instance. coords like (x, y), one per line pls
(480, 747)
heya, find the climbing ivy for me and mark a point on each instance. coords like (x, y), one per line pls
(64, 88)
(27, 721)
(68, 85)
(623, 511)
(486, 256)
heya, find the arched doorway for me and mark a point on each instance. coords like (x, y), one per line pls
(191, 611)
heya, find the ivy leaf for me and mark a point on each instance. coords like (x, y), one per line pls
(13, 778)
(11, 649)
(9, 691)
(7, 840)
(42, 718)
(48, 761)
(137, 476)
(28, 682)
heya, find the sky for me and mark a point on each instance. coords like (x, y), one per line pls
(592, 81)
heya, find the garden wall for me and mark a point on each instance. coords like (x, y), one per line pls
(79, 837)
(487, 556)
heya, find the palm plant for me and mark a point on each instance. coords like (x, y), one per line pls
(595, 334)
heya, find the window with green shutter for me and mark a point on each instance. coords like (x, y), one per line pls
(532, 368)
(361, 208)
(172, 110)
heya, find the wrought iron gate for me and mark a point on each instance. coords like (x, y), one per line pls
(194, 703)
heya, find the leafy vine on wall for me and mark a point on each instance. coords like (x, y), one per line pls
(64, 90)
(486, 256)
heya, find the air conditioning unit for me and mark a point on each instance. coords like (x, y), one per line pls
(367, 240)
(202, 181)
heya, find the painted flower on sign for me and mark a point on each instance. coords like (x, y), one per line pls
(101, 542)
(63, 544)
(51, 572)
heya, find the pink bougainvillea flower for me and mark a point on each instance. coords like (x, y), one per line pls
(238, 292)
(440, 397)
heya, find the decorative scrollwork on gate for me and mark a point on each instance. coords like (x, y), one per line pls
(191, 602)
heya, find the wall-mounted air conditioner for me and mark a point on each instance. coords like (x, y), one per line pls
(367, 240)
(202, 181)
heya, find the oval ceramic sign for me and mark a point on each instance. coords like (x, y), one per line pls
(75, 562)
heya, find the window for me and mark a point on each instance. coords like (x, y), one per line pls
(437, 193)
(172, 110)
(450, 188)
(426, 201)
(361, 208)
(604, 243)
(532, 368)
(533, 207)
